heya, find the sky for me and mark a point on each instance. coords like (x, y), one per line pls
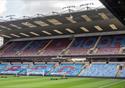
(32, 7)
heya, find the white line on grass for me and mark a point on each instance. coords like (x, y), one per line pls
(111, 84)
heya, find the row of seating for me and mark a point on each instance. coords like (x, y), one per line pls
(123, 73)
(68, 69)
(13, 69)
(81, 46)
(102, 70)
(110, 45)
(40, 69)
(93, 70)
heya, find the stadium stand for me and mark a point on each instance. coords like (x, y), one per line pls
(110, 44)
(123, 73)
(55, 39)
(14, 48)
(102, 70)
(40, 69)
(34, 48)
(14, 69)
(2, 67)
(55, 47)
(68, 69)
(6, 46)
(81, 46)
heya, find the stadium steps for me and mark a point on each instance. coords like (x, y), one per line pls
(21, 51)
(42, 50)
(4, 44)
(4, 49)
(53, 67)
(94, 49)
(97, 42)
(22, 72)
(83, 69)
(66, 49)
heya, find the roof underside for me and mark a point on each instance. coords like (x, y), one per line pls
(92, 21)
(117, 7)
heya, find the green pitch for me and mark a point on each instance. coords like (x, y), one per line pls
(45, 82)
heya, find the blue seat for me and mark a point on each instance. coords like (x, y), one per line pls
(101, 70)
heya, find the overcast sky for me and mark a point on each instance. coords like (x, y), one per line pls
(32, 7)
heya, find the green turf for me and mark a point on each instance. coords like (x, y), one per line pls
(45, 82)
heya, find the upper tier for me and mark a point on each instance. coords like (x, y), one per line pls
(105, 45)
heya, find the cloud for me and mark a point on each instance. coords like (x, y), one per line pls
(32, 7)
(2, 7)
(46, 6)
(38, 6)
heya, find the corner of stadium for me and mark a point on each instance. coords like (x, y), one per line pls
(78, 49)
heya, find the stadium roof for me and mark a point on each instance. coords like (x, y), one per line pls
(84, 22)
(117, 7)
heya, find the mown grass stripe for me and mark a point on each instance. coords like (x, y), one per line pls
(45, 82)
